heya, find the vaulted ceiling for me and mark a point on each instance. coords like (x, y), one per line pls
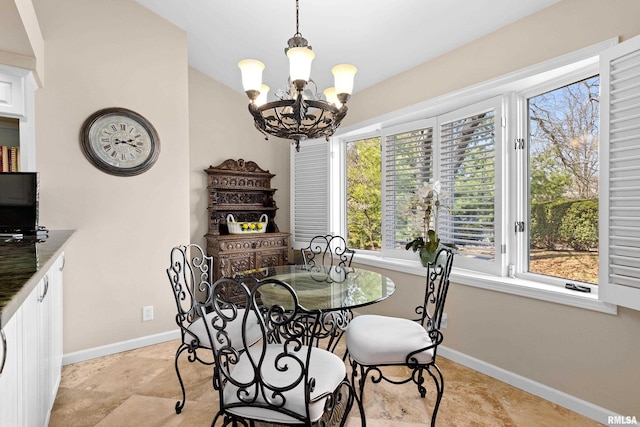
(381, 38)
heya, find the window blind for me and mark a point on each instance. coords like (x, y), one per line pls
(467, 175)
(408, 163)
(621, 111)
(310, 187)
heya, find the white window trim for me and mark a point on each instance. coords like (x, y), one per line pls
(512, 82)
(508, 285)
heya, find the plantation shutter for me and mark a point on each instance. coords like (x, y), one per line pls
(619, 274)
(310, 192)
(408, 162)
(469, 165)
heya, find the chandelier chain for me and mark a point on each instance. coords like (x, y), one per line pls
(297, 19)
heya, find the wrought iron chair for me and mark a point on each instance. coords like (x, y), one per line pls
(322, 251)
(330, 250)
(376, 341)
(327, 250)
(283, 378)
(190, 276)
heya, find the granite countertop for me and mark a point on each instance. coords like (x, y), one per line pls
(22, 264)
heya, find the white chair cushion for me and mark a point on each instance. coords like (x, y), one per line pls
(234, 329)
(380, 340)
(327, 369)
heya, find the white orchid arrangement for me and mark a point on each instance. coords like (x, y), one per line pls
(421, 209)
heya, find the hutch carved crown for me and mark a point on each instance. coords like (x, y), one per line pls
(243, 190)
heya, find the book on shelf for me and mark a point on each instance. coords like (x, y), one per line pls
(9, 159)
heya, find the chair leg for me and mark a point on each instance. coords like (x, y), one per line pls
(360, 403)
(439, 381)
(418, 378)
(180, 404)
(359, 389)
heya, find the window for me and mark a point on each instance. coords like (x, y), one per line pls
(364, 194)
(563, 143)
(541, 191)
(458, 149)
(469, 167)
(408, 164)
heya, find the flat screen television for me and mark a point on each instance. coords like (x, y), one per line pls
(18, 202)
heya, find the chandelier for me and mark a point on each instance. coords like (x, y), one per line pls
(299, 112)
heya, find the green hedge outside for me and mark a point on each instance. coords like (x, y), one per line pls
(565, 223)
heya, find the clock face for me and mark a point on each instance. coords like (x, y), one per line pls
(120, 141)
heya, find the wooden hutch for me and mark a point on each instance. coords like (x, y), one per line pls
(243, 189)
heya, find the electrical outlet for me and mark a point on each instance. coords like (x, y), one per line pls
(445, 321)
(147, 313)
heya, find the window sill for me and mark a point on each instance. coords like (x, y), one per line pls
(513, 286)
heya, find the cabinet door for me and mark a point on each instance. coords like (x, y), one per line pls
(235, 263)
(29, 361)
(10, 376)
(270, 258)
(37, 358)
(44, 348)
(55, 345)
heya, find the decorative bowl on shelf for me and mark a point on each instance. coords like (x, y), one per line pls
(247, 227)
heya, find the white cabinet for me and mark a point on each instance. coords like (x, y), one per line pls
(17, 89)
(11, 92)
(34, 343)
(11, 374)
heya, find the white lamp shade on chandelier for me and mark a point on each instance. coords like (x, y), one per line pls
(251, 74)
(300, 59)
(343, 75)
(294, 116)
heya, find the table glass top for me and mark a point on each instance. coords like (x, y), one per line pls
(327, 287)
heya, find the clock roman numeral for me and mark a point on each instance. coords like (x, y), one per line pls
(123, 126)
(114, 128)
(105, 139)
(107, 147)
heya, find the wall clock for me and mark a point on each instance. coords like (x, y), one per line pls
(119, 141)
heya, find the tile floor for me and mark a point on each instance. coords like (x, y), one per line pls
(140, 388)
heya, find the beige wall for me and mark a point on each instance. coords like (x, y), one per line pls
(221, 128)
(586, 354)
(104, 54)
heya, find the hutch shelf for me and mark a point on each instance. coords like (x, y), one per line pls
(243, 189)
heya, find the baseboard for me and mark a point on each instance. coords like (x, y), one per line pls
(565, 400)
(119, 347)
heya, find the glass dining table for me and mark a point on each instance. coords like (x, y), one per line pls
(333, 290)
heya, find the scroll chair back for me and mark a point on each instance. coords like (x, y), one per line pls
(327, 250)
(190, 274)
(330, 250)
(376, 341)
(281, 379)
